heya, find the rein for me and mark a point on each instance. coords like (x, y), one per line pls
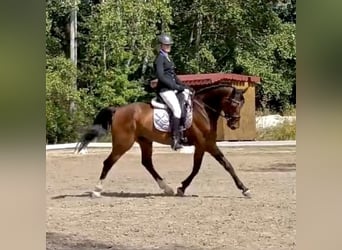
(217, 112)
(225, 116)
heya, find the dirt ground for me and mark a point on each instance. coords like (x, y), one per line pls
(133, 214)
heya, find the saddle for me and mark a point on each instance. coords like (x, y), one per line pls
(162, 114)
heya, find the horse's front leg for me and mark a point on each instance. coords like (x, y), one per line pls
(198, 157)
(218, 155)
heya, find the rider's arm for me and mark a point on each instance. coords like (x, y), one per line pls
(161, 76)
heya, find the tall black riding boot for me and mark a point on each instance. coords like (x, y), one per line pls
(176, 134)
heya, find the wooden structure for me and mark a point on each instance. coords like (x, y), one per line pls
(247, 130)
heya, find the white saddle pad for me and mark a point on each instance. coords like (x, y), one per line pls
(161, 119)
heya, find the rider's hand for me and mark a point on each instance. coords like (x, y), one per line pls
(180, 88)
(187, 91)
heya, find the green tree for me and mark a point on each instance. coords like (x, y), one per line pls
(120, 42)
(246, 37)
(62, 125)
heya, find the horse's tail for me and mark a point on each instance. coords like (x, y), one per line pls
(100, 127)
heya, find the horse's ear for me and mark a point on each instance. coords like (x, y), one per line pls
(244, 91)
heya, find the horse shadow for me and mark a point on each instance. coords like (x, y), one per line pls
(61, 241)
(276, 167)
(120, 195)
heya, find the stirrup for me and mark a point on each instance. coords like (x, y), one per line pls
(176, 144)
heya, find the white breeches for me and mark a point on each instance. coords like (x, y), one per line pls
(171, 100)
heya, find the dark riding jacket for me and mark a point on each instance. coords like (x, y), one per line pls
(167, 78)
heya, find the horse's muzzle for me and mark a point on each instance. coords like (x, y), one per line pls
(233, 123)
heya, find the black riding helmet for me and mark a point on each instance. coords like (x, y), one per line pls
(165, 39)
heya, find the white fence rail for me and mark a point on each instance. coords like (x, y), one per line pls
(187, 149)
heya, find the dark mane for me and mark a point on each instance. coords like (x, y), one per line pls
(206, 89)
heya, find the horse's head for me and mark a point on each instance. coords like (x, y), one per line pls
(231, 105)
(224, 98)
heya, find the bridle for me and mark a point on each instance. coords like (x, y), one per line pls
(225, 115)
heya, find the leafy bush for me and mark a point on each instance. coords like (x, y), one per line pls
(70, 110)
(65, 105)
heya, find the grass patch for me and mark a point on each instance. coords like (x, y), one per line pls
(290, 111)
(284, 131)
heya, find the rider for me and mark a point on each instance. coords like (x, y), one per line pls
(168, 85)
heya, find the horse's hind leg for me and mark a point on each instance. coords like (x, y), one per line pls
(117, 151)
(218, 155)
(146, 160)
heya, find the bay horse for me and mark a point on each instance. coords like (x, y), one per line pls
(134, 123)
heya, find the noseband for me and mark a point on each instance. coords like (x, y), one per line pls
(229, 117)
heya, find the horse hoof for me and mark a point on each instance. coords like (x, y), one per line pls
(98, 188)
(247, 193)
(169, 191)
(96, 194)
(180, 192)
